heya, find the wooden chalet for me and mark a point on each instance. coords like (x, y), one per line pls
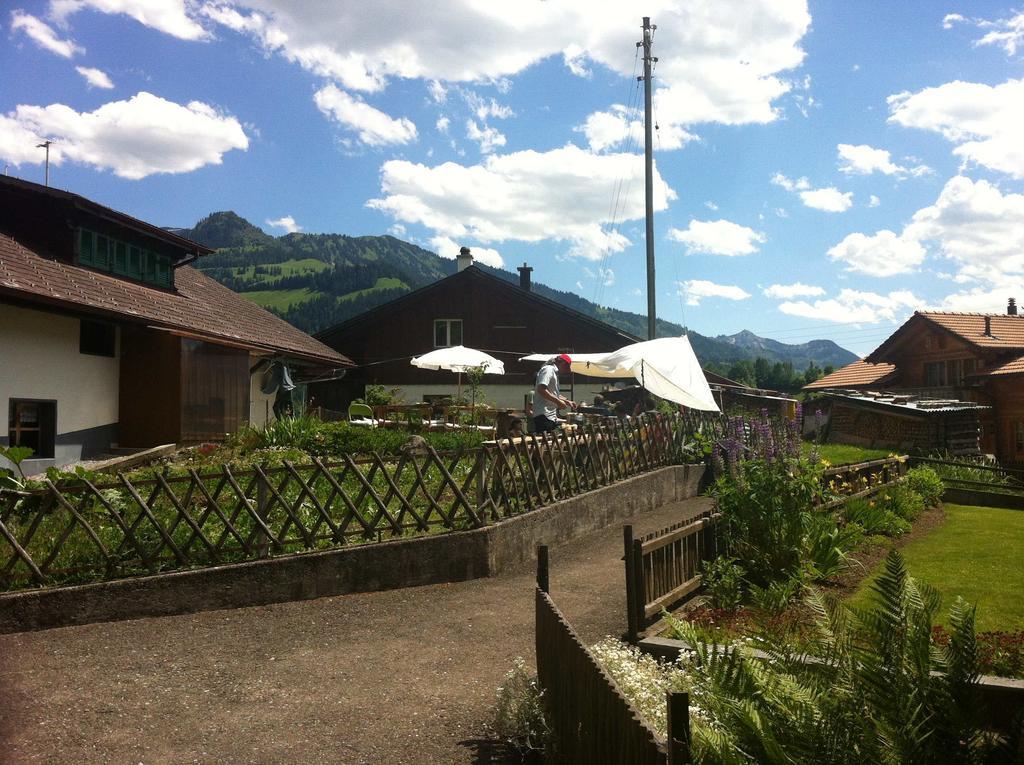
(958, 357)
(108, 336)
(470, 308)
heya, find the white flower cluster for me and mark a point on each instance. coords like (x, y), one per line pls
(643, 679)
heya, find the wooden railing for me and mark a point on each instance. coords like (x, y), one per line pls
(591, 718)
(664, 567)
(81, 531)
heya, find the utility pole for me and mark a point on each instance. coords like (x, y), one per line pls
(46, 145)
(652, 317)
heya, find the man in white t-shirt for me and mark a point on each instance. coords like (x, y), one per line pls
(546, 398)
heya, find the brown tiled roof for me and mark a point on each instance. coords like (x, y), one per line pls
(855, 375)
(198, 305)
(1007, 331)
(1012, 367)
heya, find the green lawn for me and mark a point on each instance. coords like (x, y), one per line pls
(976, 554)
(846, 454)
(281, 299)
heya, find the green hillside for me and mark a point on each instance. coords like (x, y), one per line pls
(317, 280)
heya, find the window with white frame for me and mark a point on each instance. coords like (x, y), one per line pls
(447, 332)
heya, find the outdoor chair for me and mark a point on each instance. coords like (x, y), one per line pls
(361, 414)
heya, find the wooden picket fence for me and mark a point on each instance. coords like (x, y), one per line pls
(81, 531)
(664, 567)
(591, 718)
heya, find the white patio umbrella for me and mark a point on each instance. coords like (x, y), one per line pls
(459, 359)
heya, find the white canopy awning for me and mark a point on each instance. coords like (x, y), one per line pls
(667, 367)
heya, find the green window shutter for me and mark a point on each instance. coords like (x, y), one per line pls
(101, 260)
(85, 247)
(121, 258)
(134, 263)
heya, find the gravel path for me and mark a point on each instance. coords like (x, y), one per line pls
(404, 676)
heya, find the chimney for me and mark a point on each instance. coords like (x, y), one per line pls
(988, 326)
(465, 259)
(524, 276)
(1011, 307)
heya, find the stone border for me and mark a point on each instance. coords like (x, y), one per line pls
(983, 498)
(504, 546)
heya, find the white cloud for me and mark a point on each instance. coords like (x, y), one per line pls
(622, 126)
(731, 73)
(978, 227)
(830, 199)
(984, 121)
(438, 92)
(168, 16)
(711, 206)
(854, 307)
(950, 19)
(286, 222)
(43, 35)
(446, 247)
(575, 59)
(717, 237)
(96, 78)
(605, 276)
(864, 160)
(442, 125)
(528, 196)
(988, 299)
(487, 137)
(884, 254)
(375, 128)
(134, 138)
(1006, 33)
(695, 290)
(874, 201)
(972, 223)
(790, 185)
(797, 289)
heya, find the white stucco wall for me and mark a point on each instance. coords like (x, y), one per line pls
(40, 359)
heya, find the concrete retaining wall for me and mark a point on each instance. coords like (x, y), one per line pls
(454, 557)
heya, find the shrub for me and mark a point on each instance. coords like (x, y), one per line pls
(378, 395)
(903, 501)
(776, 597)
(927, 483)
(826, 546)
(520, 719)
(723, 581)
(874, 518)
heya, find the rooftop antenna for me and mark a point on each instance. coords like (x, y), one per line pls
(46, 145)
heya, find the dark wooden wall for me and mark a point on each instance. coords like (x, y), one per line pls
(214, 390)
(497, 317)
(150, 388)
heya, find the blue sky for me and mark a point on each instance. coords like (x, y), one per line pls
(823, 168)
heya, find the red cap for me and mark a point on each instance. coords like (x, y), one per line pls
(565, 357)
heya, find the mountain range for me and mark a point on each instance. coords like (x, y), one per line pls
(317, 280)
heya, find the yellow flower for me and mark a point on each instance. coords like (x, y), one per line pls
(825, 462)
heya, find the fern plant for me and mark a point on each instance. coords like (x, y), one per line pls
(868, 686)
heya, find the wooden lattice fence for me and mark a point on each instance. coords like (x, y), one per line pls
(81, 531)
